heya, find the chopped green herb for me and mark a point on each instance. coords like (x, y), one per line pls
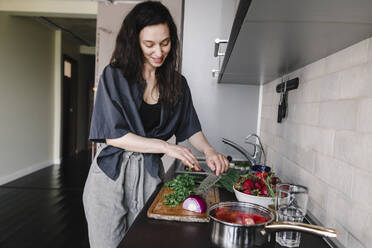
(182, 186)
(228, 179)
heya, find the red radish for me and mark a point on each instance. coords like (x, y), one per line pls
(248, 184)
(257, 185)
(247, 191)
(260, 174)
(274, 180)
(264, 191)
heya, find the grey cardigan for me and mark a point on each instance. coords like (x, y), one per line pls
(116, 113)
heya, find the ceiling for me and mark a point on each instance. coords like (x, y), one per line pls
(82, 30)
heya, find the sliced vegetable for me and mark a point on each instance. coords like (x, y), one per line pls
(182, 186)
(195, 203)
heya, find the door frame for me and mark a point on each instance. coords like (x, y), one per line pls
(74, 92)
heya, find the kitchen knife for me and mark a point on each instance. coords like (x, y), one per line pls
(284, 104)
(280, 108)
(279, 119)
(208, 182)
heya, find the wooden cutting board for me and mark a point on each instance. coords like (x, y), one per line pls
(160, 211)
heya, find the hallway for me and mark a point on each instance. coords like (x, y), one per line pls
(44, 209)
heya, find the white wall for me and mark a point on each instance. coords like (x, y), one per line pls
(26, 102)
(60, 8)
(224, 110)
(326, 142)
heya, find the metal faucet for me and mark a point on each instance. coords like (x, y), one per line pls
(241, 149)
(258, 149)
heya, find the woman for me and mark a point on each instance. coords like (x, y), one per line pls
(142, 100)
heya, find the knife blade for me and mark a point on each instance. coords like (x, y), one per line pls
(208, 182)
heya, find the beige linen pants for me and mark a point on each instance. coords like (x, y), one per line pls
(111, 206)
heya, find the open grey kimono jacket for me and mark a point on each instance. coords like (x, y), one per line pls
(116, 112)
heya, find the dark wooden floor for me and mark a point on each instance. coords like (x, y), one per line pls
(44, 209)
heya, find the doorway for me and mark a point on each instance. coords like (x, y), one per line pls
(69, 106)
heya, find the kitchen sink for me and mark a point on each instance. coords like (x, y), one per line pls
(181, 168)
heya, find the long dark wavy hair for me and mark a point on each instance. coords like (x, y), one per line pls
(128, 55)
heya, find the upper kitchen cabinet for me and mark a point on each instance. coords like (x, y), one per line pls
(270, 38)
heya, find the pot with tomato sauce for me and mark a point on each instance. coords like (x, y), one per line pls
(243, 224)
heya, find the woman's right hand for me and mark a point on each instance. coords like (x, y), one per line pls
(182, 153)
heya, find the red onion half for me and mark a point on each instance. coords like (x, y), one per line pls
(195, 203)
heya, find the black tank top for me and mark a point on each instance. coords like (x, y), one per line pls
(150, 115)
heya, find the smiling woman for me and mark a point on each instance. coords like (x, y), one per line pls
(142, 100)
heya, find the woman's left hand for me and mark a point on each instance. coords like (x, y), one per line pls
(216, 161)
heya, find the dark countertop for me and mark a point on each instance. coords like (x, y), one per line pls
(147, 232)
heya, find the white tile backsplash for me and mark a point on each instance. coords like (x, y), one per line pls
(306, 178)
(359, 52)
(367, 232)
(329, 87)
(326, 141)
(318, 191)
(319, 139)
(337, 174)
(305, 113)
(290, 173)
(358, 222)
(271, 155)
(305, 158)
(353, 242)
(354, 148)
(339, 115)
(335, 201)
(370, 49)
(361, 192)
(347, 146)
(310, 91)
(268, 112)
(317, 211)
(313, 70)
(268, 137)
(268, 98)
(364, 120)
(355, 82)
(348, 57)
(294, 97)
(343, 236)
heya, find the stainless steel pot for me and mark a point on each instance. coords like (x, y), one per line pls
(229, 235)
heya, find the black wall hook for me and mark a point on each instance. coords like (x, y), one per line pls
(291, 85)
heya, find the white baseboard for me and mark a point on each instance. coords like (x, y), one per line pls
(24, 172)
(57, 161)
